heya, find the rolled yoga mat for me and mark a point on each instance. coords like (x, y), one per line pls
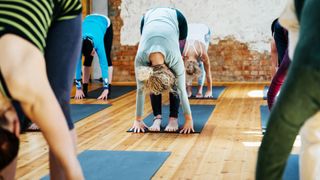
(120, 165)
(216, 92)
(200, 115)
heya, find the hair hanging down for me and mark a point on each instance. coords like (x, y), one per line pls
(9, 146)
(9, 142)
(158, 79)
(192, 71)
(87, 47)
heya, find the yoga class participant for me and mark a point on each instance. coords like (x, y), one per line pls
(159, 68)
(97, 35)
(196, 59)
(37, 65)
(298, 104)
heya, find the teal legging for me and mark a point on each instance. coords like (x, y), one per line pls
(299, 99)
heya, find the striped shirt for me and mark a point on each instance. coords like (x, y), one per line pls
(31, 19)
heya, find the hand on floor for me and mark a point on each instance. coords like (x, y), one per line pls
(208, 94)
(172, 125)
(79, 94)
(156, 125)
(138, 126)
(187, 127)
(104, 95)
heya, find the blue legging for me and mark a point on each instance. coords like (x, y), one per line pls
(61, 54)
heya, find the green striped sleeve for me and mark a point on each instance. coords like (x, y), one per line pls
(32, 16)
(23, 30)
(71, 9)
(33, 8)
(26, 21)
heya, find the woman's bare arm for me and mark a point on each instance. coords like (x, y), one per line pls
(23, 68)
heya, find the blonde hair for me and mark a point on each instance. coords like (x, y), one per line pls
(158, 79)
(192, 71)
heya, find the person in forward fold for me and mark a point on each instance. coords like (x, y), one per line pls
(97, 36)
(196, 59)
(159, 68)
(37, 65)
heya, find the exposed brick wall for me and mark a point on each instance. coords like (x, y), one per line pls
(230, 60)
(123, 56)
(233, 61)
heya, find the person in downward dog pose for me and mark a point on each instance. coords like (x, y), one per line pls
(159, 68)
(196, 59)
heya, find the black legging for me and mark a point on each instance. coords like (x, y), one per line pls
(281, 39)
(108, 37)
(174, 104)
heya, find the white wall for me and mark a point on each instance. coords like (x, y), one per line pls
(247, 21)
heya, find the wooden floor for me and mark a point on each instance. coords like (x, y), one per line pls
(226, 148)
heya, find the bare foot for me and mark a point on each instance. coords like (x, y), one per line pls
(156, 125)
(172, 125)
(208, 94)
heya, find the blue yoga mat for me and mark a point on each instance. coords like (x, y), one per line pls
(264, 113)
(200, 114)
(291, 171)
(216, 91)
(265, 92)
(120, 165)
(81, 111)
(116, 91)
